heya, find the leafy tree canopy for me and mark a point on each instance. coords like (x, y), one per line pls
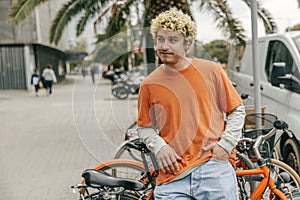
(218, 49)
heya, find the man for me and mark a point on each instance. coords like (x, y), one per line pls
(49, 78)
(181, 109)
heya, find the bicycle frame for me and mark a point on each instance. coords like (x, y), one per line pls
(266, 182)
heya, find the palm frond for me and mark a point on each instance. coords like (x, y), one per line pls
(101, 15)
(91, 9)
(120, 12)
(82, 23)
(266, 17)
(20, 9)
(230, 26)
(268, 20)
(63, 17)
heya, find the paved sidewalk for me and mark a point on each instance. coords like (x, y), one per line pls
(46, 142)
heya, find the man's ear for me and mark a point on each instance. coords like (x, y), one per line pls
(187, 45)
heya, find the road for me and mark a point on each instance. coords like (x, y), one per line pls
(46, 142)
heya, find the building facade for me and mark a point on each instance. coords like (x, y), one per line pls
(26, 46)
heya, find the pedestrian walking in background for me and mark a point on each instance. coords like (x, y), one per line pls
(181, 107)
(35, 80)
(49, 79)
(84, 72)
(94, 71)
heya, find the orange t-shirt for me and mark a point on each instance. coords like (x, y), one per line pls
(188, 109)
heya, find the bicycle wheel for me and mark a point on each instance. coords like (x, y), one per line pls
(276, 167)
(128, 153)
(120, 93)
(286, 176)
(122, 168)
(246, 184)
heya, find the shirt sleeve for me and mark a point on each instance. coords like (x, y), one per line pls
(228, 96)
(144, 107)
(234, 125)
(147, 130)
(232, 105)
(150, 136)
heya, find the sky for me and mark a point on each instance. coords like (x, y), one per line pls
(285, 12)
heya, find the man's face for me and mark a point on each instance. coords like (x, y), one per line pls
(171, 46)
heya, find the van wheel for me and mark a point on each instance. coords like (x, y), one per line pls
(291, 154)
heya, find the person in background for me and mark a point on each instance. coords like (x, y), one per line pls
(49, 78)
(94, 70)
(181, 108)
(35, 80)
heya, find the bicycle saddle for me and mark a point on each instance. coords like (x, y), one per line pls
(96, 179)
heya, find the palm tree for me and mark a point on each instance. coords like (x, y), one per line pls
(119, 12)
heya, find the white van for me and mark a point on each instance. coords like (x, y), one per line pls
(279, 67)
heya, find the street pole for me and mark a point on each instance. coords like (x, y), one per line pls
(255, 53)
(129, 46)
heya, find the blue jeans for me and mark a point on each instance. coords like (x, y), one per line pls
(213, 180)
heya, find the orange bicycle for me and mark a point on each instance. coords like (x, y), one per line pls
(130, 179)
(272, 179)
(122, 179)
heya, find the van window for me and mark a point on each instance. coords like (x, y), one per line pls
(279, 53)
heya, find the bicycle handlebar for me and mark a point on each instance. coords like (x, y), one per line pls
(277, 125)
(139, 146)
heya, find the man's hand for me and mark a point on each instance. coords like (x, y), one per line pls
(218, 152)
(167, 159)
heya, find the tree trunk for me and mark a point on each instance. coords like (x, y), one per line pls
(150, 53)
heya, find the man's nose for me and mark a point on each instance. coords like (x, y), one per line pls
(165, 45)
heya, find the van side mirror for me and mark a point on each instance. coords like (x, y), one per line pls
(290, 82)
(278, 70)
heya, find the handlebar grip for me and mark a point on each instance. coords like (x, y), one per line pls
(279, 124)
(140, 146)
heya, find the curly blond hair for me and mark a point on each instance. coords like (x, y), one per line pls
(174, 20)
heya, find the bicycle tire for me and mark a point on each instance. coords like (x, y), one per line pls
(120, 93)
(286, 168)
(276, 167)
(121, 168)
(245, 184)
